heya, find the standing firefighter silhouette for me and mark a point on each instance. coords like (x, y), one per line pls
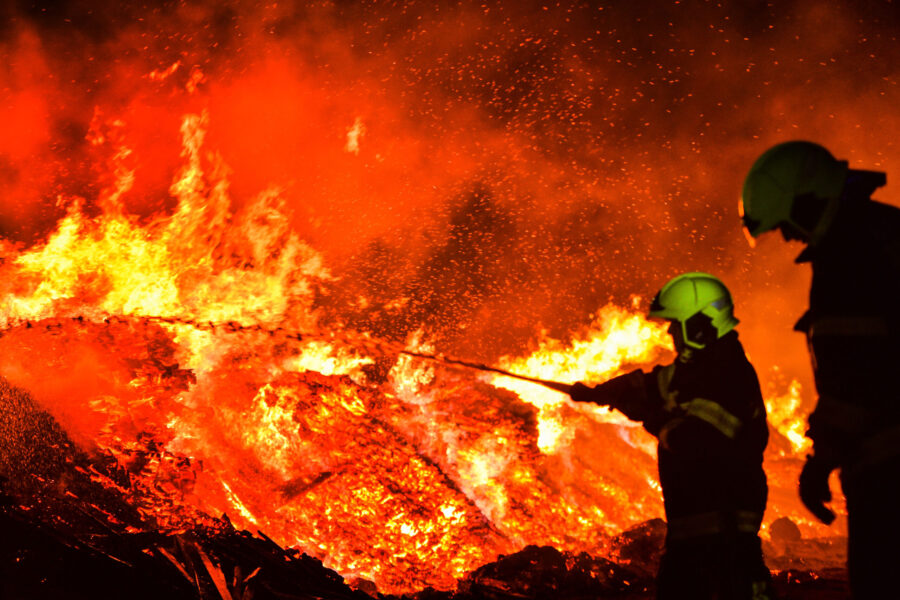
(707, 411)
(852, 327)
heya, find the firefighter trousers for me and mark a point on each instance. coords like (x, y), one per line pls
(873, 527)
(721, 567)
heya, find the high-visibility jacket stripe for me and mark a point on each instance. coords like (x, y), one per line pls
(663, 381)
(842, 416)
(706, 410)
(849, 326)
(714, 414)
(713, 523)
(882, 447)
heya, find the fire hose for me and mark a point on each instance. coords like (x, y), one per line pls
(234, 327)
(553, 385)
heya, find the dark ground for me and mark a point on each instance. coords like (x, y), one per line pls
(40, 563)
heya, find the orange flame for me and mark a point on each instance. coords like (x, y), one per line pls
(409, 480)
(615, 340)
(785, 415)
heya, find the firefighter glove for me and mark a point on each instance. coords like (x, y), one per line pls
(582, 393)
(814, 490)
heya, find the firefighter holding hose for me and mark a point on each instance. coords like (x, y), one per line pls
(853, 245)
(707, 411)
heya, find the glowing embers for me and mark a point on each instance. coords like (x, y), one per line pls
(485, 440)
(315, 462)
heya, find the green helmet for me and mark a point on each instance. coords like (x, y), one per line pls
(794, 183)
(700, 304)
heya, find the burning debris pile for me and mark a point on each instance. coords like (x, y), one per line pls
(172, 348)
(199, 388)
(305, 456)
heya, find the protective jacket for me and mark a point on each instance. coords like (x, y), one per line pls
(709, 417)
(852, 327)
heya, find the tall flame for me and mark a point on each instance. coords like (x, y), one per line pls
(786, 416)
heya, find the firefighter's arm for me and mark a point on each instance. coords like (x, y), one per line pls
(814, 490)
(850, 352)
(834, 428)
(846, 347)
(625, 393)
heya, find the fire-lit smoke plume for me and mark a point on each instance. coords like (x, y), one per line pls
(219, 221)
